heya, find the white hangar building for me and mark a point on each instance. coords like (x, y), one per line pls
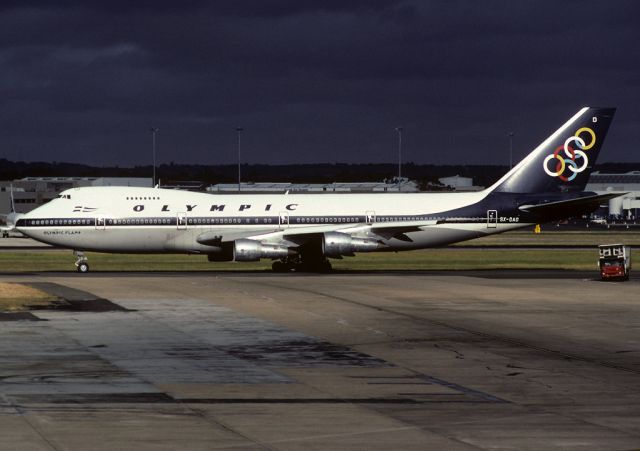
(627, 206)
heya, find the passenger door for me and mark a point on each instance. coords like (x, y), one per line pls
(101, 222)
(370, 216)
(181, 220)
(492, 219)
(283, 220)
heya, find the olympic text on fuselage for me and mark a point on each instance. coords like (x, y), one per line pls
(189, 208)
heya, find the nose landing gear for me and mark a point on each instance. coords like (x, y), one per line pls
(82, 263)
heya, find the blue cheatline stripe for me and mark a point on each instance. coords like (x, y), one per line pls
(237, 220)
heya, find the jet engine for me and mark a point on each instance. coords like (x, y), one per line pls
(336, 245)
(251, 250)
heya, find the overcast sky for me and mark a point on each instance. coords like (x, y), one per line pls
(311, 81)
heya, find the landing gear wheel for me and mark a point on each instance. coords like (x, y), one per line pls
(82, 264)
(286, 264)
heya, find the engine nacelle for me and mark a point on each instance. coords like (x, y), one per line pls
(251, 251)
(336, 244)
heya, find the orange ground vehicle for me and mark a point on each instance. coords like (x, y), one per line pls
(614, 262)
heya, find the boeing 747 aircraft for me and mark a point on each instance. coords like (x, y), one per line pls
(302, 231)
(11, 218)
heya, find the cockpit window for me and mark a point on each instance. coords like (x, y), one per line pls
(64, 196)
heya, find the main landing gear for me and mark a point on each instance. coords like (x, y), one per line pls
(297, 264)
(82, 263)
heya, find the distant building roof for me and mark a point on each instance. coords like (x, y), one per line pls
(459, 183)
(56, 179)
(353, 187)
(627, 177)
(456, 181)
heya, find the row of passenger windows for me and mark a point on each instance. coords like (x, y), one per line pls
(327, 220)
(361, 219)
(256, 220)
(150, 221)
(404, 218)
(59, 221)
(207, 221)
(144, 198)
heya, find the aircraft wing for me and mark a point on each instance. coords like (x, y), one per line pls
(300, 235)
(216, 237)
(383, 230)
(390, 230)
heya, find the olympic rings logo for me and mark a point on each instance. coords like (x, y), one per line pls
(573, 148)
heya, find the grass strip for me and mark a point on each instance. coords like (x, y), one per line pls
(553, 238)
(450, 258)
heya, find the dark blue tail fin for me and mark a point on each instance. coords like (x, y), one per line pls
(563, 162)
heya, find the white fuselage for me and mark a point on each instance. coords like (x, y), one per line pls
(147, 220)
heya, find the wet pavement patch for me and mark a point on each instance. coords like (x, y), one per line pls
(19, 316)
(62, 292)
(303, 353)
(301, 401)
(163, 398)
(72, 300)
(94, 398)
(89, 305)
(82, 356)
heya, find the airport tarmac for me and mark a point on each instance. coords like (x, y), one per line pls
(429, 360)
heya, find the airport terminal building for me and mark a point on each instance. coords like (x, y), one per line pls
(404, 185)
(31, 192)
(623, 207)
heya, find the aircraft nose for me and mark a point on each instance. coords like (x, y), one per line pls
(22, 222)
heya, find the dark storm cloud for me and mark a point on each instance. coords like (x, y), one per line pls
(310, 81)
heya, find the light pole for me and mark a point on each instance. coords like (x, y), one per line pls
(511, 135)
(154, 130)
(399, 130)
(239, 130)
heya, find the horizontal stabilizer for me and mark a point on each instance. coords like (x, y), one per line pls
(570, 206)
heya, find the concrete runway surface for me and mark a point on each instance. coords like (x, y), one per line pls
(398, 361)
